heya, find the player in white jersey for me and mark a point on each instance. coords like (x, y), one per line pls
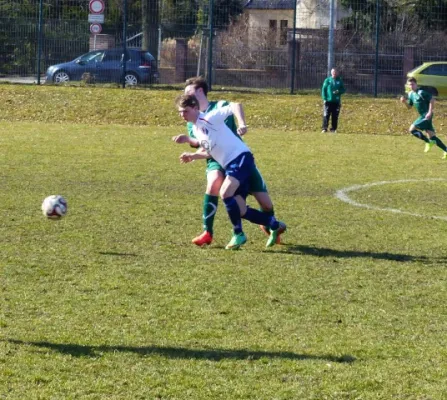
(215, 174)
(219, 142)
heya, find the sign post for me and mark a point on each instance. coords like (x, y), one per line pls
(96, 18)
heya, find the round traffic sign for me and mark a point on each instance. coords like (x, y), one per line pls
(96, 6)
(95, 28)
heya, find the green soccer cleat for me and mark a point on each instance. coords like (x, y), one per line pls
(429, 145)
(272, 240)
(236, 241)
(444, 156)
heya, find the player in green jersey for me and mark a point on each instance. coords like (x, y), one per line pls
(424, 104)
(215, 174)
(331, 92)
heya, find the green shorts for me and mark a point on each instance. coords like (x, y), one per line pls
(257, 183)
(424, 124)
(213, 165)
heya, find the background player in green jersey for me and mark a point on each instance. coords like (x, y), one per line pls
(331, 92)
(424, 104)
(215, 174)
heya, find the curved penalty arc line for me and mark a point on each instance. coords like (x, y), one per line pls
(342, 195)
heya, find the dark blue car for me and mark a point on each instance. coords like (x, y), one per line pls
(107, 66)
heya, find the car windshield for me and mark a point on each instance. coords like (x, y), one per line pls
(414, 69)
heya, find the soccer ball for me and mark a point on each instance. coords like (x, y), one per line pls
(54, 207)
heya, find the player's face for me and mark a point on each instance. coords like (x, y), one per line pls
(413, 86)
(188, 114)
(334, 73)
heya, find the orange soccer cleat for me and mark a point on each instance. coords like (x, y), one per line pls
(282, 228)
(203, 239)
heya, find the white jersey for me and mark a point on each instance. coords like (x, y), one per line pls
(216, 138)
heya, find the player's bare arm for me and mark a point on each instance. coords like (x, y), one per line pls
(185, 139)
(198, 155)
(431, 105)
(403, 100)
(238, 112)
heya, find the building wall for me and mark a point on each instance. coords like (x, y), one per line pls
(314, 14)
(259, 21)
(310, 14)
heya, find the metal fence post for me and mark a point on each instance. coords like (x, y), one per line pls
(330, 53)
(210, 46)
(376, 62)
(159, 47)
(39, 40)
(123, 77)
(292, 81)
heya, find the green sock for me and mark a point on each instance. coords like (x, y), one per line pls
(270, 213)
(420, 135)
(438, 142)
(209, 211)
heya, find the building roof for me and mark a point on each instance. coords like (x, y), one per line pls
(270, 4)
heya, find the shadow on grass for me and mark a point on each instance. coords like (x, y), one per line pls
(77, 350)
(325, 252)
(117, 254)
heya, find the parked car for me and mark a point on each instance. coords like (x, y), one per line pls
(432, 77)
(107, 66)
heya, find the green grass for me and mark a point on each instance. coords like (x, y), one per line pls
(279, 112)
(113, 302)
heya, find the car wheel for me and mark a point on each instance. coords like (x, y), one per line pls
(131, 79)
(430, 90)
(61, 77)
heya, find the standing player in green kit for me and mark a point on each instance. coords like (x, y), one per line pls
(215, 174)
(331, 92)
(424, 104)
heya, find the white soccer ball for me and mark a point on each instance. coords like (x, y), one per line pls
(54, 206)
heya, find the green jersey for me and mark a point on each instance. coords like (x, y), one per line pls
(420, 100)
(213, 105)
(332, 89)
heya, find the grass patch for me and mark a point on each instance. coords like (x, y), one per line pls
(113, 302)
(279, 112)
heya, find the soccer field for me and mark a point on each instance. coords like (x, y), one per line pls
(113, 302)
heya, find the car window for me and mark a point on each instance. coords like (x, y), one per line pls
(92, 56)
(437, 69)
(112, 55)
(148, 56)
(133, 55)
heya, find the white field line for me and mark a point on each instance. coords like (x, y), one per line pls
(342, 195)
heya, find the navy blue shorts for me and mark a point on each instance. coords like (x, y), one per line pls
(242, 168)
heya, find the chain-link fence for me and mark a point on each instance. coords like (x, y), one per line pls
(280, 44)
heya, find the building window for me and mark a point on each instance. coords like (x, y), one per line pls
(273, 29)
(283, 32)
